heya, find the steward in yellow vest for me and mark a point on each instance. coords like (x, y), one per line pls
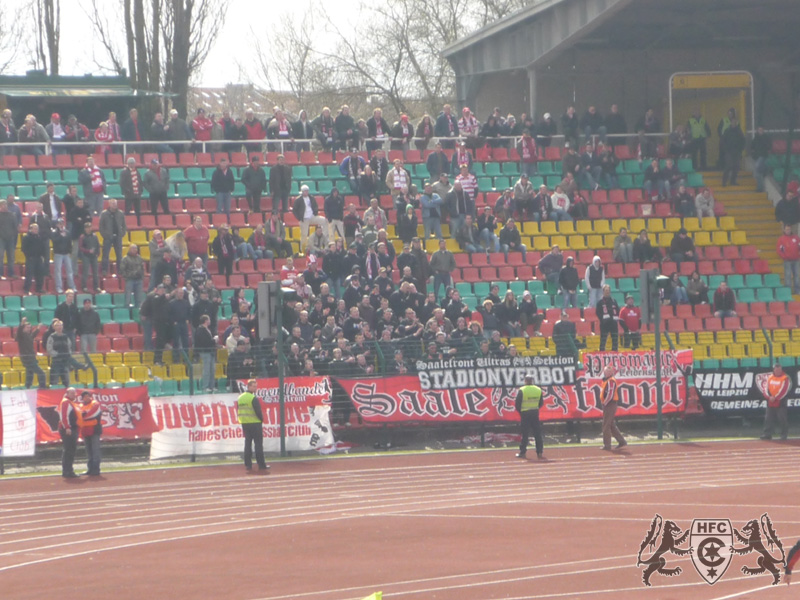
(251, 419)
(529, 400)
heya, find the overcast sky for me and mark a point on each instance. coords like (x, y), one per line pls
(233, 43)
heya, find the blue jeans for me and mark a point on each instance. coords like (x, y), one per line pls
(180, 339)
(134, 287)
(663, 188)
(93, 454)
(679, 296)
(7, 248)
(561, 215)
(527, 168)
(66, 260)
(456, 223)
(791, 273)
(522, 248)
(432, 225)
(490, 240)
(570, 299)
(208, 380)
(224, 203)
(245, 250)
(472, 249)
(595, 295)
(441, 279)
(601, 131)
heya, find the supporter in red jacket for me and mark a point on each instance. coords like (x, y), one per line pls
(201, 126)
(197, 236)
(788, 248)
(630, 319)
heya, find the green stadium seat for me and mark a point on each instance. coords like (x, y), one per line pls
(736, 281)
(25, 193)
(685, 165)
(477, 169)
(46, 316)
(746, 295)
(17, 177)
(110, 175)
(753, 280)
(545, 168)
(104, 314)
(464, 288)
(485, 184)
(544, 301)
(715, 280)
(4, 180)
(324, 186)
(518, 287)
(501, 183)
(69, 176)
(511, 169)
(772, 280)
(203, 189)
(103, 300)
(30, 302)
(316, 172)
(783, 294)
(11, 318)
(121, 315)
(194, 174)
(536, 287)
(694, 180)
(482, 289)
(52, 176)
(421, 170)
(492, 169)
(48, 301)
(765, 295)
(299, 171)
(185, 190)
(177, 174)
(113, 190)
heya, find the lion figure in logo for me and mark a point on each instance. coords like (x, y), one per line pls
(754, 542)
(671, 537)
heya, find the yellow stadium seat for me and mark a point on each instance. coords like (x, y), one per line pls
(5, 363)
(594, 241)
(13, 378)
(97, 359)
(724, 337)
(719, 238)
(709, 223)
(177, 371)
(147, 357)
(736, 351)
(691, 224)
(431, 246)
(541, 243)
(727, 223)
(608, 240)
(103, 375)
(672, 224)
(548, 228)
(547, 352)
(702, 238)
(445, 231)
(584, 227)
(122, 374)
(113, 359)
(756, 350)
(705, 337)
(530, 228)
(132, 358)
(738, 238)
(138, 237)
(636, 225)
(159, 371)
(617, 224)
(566, 227)
(718, 352)
(537, 343)
(655, 225)
(451, 245)
(687, 338)
(577, 242)
(780, 335)
(140, 373)
(529, 353)
(743, 336)
(558, 240)
(144, 252)
(593, 342)
(219, 370)
(700, 351)
(664, 239)
(602, 226)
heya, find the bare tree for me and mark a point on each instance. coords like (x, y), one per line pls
(12, 38)
(47, 16)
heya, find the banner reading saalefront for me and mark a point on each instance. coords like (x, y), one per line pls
(485, 389)
(17, 422)
(126, 413)
(209, 424)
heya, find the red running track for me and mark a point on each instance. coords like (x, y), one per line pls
(445, 525)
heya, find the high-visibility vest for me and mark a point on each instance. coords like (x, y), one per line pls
(531, 394)
(697, 127)
(88, 409)
(246, 412)
(609, 395)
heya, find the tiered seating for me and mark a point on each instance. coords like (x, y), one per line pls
(724, 254)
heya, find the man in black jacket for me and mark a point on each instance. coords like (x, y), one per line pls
(608, 313)
(67, 313)
(254, 180)
(62, 251)
(180, 312)
(205, 347)
(156, 308)
(222, 185)
(733, 143)
(280, 185)
(34, 247)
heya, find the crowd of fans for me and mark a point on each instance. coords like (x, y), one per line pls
(360, 306)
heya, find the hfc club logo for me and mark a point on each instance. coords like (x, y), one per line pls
(711, 546)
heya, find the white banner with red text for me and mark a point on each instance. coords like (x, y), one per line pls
(17, 422)
(209, 424)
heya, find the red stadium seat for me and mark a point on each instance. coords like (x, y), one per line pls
(470, 275)
(204, 159)
(186, 159)
(552, 153)
(168, 159)
(413, 156)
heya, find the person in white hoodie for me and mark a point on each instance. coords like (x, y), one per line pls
(595, 279)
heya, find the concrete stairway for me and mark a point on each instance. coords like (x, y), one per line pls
(753, 212)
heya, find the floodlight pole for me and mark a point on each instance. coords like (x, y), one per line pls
(659, 389)
(281, 370)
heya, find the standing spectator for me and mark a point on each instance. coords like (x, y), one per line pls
(608, 314)
(644, 251)
(787, 211)
(158, 133)
(459, 205)
(91, 427)
(51, 203)
(352, 167)
(595, 280)
(616, 126)
(545, 130)
(68, 431)
(608, 166)
(398, 181)
(508, 314)
(59, 349)
(306, 212)
(132, 273)
(550, 265)
(523, 196)
(67, 313)
(487, 225)
(76, 132)
(103, 134)
(131, 185)
(699, 131)
(682, 248)
(201, 128)
(623, 247)
(760, 149)
(461, 156)
(25, 338)
(593, 124)
(376, 215)
(89, 252)
(788, 248)
(724, 302)
(568, 281)
(510, 240)
(303, 129)
(34, 247)
(733, 144)
(177, 130)
(432, 204)
(704, 204)
(156, 182)
(222, 185)
(224, 249)
(324, 129)
(609, 396)
(156, 309)
(446, 126)
(469, 183)
(630, 319)
(197, 236)
(9, 230)
(437, 162)
(280, 184)
(112, 229)
(34, 136)
(254, 180)
(77, 219)
(569, 126)
(88, 327)
(442, 263)
(130, 130)
(776, 393)
(62, 256)
(424, 133)
(696, 289)
(8, 133)
(334, 213)
(407, 225)
(346, 131)
(94, 185)
(402, 133)
(180, 314)
(527, 404)
(565, 335)
(528, 154)
(377, 130)
(205, 347)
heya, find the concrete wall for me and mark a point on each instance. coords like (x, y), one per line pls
(508, 91)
